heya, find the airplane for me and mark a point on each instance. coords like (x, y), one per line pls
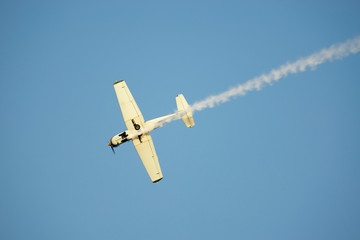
(138, 130)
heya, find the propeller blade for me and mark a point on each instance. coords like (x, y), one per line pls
(112, 147)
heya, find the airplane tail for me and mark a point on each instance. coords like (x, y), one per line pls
(183, 106)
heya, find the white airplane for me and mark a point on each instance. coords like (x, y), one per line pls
(139, 130)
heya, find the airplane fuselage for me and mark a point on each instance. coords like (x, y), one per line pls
(138, 131)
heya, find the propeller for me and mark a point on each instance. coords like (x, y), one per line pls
(112, 147)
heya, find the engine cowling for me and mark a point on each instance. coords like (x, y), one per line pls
(119, 139)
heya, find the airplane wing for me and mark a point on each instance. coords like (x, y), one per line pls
(135, 121)
(146, 150)
(129, 108)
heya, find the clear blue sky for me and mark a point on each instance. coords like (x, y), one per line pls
(281, 163)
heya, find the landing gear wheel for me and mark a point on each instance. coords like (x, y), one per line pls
(137, 126)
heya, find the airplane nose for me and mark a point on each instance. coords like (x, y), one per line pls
(109, 144)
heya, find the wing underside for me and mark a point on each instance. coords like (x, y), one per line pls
(135, 121)
(146, 150)
(129, 108)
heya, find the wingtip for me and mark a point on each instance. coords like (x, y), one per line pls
(118, 82)
(157, 180)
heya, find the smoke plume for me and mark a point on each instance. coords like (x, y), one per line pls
(334, 52)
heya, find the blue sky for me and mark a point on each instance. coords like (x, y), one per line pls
(281, 163)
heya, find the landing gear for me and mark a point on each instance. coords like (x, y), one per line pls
(136, 126)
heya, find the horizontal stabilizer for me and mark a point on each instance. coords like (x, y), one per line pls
(183, 106)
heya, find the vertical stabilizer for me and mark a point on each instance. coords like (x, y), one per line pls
(183, 106)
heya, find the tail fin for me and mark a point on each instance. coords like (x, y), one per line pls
(183, 106)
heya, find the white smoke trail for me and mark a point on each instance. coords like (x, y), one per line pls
(336, 51)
